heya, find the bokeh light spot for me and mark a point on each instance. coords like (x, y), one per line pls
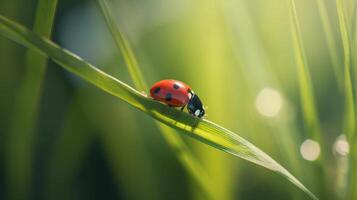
(310, 150)
(268, 102)
(341, 146)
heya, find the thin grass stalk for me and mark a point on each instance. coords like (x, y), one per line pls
(352, 192)
(189, 161)
(353, 151)
(353, 23)
(353, 42)
(350, 115)
(331, 44)
(181, 150)
(348, 6)
(353, 19)
(124, 47)
(22, 135)
(306, 93)
(63, 165)
(118, 142)
(306, 88)
(350, 112)
(353, 33)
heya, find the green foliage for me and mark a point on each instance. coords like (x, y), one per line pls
(26, 108)
(203, 130)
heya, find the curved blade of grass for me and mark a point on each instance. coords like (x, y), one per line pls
(350, 115)
(353, 21)
(306, 89)
(182, 151)
(201, 129)
(331, 44)
(124, 47)
(306, 92)
(21, 135)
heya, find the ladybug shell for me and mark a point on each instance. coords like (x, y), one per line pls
(172, 92)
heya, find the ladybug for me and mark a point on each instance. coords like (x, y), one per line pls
(177, 94)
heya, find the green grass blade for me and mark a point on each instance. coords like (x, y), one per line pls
(353, 21)
(189, 161)
(75, 136)
(21, 135)
(352, 193)
(124, 47)
(350, 115)
(203, 130)
(182, 151)
(331, 44)
(309, 111)
(306, 89)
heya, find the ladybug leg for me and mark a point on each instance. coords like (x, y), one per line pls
(182, 107)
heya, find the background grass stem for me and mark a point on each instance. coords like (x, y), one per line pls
(309, 110)
(350, 115)
(22, 131)
(350, 112)
(331, 43)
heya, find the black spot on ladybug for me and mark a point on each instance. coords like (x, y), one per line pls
(189, 90)
(176, 86)
(157, 90)
(168, 97)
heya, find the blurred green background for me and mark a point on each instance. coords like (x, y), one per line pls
(237, 55)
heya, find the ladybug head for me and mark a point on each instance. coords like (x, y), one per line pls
(195, 106)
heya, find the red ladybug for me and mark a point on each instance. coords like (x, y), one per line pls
(177, 94)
